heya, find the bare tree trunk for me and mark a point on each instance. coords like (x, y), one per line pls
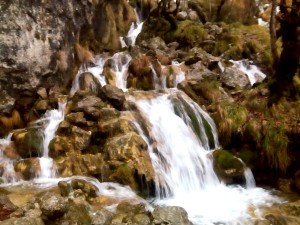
(273, 33)
(219, 9)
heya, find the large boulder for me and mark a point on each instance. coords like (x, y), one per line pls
(141, 76)
(38, 40)
(113, 95)
(111, 20)
(29, 143)
(127, 155)
(74, 164)
(228, 167)
(234, 78)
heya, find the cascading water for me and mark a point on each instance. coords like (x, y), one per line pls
(133, 32)
(182, 164)
(119, 65)
(182, 161)
(181, 138)
(252, 71)
(9, 174)
(51, 118)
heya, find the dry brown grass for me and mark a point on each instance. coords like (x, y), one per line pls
(9, 123)
(83, 55)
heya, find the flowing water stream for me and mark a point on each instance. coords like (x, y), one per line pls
(183, 137)
(51, 119)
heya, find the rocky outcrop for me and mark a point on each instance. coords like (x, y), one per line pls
(39, 39)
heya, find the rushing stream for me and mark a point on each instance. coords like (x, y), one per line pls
(183, 137)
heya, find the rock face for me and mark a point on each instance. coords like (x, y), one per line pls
(38, 40)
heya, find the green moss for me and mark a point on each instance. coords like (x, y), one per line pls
(124, 175)
(239, 41)
(188, 33)
(225, 160)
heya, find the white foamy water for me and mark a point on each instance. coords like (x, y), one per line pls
(51, 118)
(119, 65)
(9, 174)
(253, 72)
(134, 31)
(184, 171)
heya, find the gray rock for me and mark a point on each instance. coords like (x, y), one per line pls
(234, 78)
(23, 221)
(172, 215)
(37, 39)
(101, 217)
(181, 15)
(81, 138)
(52, 205)
(192, 15)
(113, 95)
(6, 102)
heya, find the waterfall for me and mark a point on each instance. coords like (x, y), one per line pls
(253, 72)
(180, 136)
(180, 161)
(52, 118)
(119, 65)
(134, 31)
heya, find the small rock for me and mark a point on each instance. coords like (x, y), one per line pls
(181, 15)
(52, 205)
(172, 215)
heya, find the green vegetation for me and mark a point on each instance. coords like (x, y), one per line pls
(188, 33)
(239, 41)
(265, 128)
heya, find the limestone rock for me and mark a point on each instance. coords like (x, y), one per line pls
(28, 169)
(37, 39)
(101, 217)
(234, 78)
(128, 153)
(113, 95)
(6, 102)
(172, 215)
(52, 205)
(87, 82)
(28, 142)
(23, 221)
(181, 15)
(74, 164)
(75, 214)
(140, 74)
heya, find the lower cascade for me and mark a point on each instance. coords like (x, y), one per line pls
(181, 139)
(184, 167)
